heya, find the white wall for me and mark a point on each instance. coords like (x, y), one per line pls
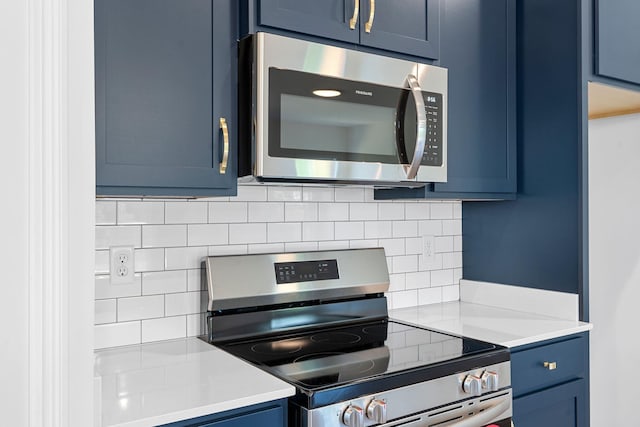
(14, 226)
(172, 237)
(614, 268)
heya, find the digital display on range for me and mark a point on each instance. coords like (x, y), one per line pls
(306, 271)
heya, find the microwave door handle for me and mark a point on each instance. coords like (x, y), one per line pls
(421, 127)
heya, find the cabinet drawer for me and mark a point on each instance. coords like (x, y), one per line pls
(530, 374)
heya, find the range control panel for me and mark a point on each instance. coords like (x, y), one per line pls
(306, 271)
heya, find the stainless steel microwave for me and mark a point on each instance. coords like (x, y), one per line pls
(310, 112)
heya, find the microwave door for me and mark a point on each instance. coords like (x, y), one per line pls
(411, 167)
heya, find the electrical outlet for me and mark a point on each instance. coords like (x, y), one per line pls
(429, 249)
(121, 265)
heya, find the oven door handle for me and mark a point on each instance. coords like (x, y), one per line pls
(421, 127)
(483, 417)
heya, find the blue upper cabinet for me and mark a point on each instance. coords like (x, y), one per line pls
(408, 27)
(165, 89)
(478, 47)
(617, 36)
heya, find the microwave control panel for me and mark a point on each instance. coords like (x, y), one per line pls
(433, 145)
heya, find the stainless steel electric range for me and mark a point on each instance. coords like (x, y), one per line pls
(319, 321)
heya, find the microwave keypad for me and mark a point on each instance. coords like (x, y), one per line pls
(433, 145)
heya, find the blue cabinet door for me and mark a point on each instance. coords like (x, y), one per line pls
(404, 26)
(560, 406)
(165, 75)
(617, 36)
(270, 414)
(477, 46)
(326, 18)
(408, 27)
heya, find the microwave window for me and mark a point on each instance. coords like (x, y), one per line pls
(331, 126)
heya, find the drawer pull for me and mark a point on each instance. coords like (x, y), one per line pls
(550, 365)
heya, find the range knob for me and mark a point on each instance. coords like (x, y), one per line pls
(472, 385)
(353, 416)
(377, 411)
(490, 381)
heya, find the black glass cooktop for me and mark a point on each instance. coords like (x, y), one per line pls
(331, 357)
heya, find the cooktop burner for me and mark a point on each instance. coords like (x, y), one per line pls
(331, 357)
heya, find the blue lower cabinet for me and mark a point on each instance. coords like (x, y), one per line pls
(560, 406)
(270, 414)
(550, 382)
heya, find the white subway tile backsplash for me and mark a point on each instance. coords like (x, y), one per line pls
(284, 194)
(429, 296)
(109, 236)
(228, 250)
(266, 212)
(405, 263)
(149, 259)
(284, 232)
(138, 308)
(165, 328)
(450, 293)
(397, 282)
(300, 212)
(207, 234)
(362, 244)
(442, 277)
(391, 211)
(140, 212)
(164, 282)
(301, 246)
(116, 334)
(160, 236)
(430, 228)
(318, 231)
(405, 228)
(105, 290)
(184, 258)
(105, 311)
(418, 280)
(251, 193)
(266, 248)
(186, 212)
(349, 230)
(452, 227)
(195, 280)
(444, 244)
(377, 230)
(393, 247)
(102, 262)
(196, 324)
(185, 303)
(416, 211)
(171, 238)
(333, 245)
(442, 210)
(363, 211)
(105, 212)
(228, 212)
(318, 194)
(349, 194)
(333, 211)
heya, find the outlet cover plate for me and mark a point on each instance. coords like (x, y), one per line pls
(121, 265)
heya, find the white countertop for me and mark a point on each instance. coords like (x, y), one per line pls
(168, 381)
(510, 328)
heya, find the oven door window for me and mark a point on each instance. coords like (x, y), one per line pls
(324, 118)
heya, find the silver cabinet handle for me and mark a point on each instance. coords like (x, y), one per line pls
(421, 128)
(225, 153)
(372, 15)
(356, 11)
